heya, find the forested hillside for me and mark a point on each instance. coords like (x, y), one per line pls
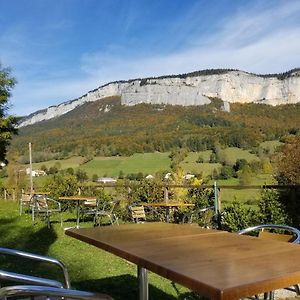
(106, 127)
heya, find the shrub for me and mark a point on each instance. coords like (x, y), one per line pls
(236, 217)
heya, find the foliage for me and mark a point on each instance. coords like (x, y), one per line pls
(226, 172)
(125, 130)
(289, 162)
(236, 217)
(145, 191)
(7, 123)
(62, 185)
(270, 209)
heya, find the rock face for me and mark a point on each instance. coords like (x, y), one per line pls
(188, 89)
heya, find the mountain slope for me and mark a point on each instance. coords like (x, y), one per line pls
(189, 89)
(105, 127)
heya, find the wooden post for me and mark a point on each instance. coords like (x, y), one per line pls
(30, 167)
(166, 194)
(5, 195)
(217, 209)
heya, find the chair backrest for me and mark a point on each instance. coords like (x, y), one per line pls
(26, 198)
(293, 237)
(90, 203)
(113, 205)
(40, 202)
(138, 213)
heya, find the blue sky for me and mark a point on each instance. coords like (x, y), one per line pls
(60, 49)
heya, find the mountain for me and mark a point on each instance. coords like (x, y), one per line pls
(107, 128)
(191, 89)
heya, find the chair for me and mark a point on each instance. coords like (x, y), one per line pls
(199, 214)
(32, 290)
(46, 206)
(35, 286)
(29, 279)
(25, 201)
(292, 237)
(107, 209)
(138, 213)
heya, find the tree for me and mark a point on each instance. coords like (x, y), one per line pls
(7, 122)
(289, 163)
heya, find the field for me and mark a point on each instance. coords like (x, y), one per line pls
(72, 162)
(147, 163)
(150, 163)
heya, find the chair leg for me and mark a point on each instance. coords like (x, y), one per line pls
(61, 220)
(48, 219)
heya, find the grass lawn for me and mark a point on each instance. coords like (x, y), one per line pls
(147, 163)
(90, 268)
(72, 162)
(231, 154)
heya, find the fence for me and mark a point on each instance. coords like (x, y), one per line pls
(222, 193)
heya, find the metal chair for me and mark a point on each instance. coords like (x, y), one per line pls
(138, 213)
(29, 279)
(46, 206)
(293, 237)
(107, 209)
(25, 201)
(18, 291)
(36, 286)
(197, 214)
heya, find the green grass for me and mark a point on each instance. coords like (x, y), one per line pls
(198, 168)
(72, 162)
(147, 163)
(90, 268)
(231, 154)
(193, 156)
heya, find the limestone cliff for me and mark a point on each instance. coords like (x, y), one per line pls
(189, 89)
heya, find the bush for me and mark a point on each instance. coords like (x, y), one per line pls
(270, 209)
(236, 217)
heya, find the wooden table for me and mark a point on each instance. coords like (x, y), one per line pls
(216, 264)
(167, 206)
(78, 199)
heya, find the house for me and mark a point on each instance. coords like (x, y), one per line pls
(149, 176)
(35, 173)
(106, 180)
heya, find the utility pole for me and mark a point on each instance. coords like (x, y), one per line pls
(30, 167)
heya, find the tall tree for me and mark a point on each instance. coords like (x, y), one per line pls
(7, 122)
(289, 162)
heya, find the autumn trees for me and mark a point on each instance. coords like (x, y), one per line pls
(7, 122)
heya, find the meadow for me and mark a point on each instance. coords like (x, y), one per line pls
(90, 268)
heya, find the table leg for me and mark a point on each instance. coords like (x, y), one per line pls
(143, 283)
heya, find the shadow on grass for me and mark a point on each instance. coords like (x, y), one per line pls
(30, 239)
(120, 287)
(126, 287)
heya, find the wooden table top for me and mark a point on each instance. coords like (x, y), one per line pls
(216, 264)
(77, 198)
(168, 204)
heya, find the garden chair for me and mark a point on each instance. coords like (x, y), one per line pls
(108, 209)
(266, 231)
(201, 216)
(138, 213)
(35, 286)
(30, 291)
(25, 201)
(45, 206)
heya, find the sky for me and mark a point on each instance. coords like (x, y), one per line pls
(58, 50)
